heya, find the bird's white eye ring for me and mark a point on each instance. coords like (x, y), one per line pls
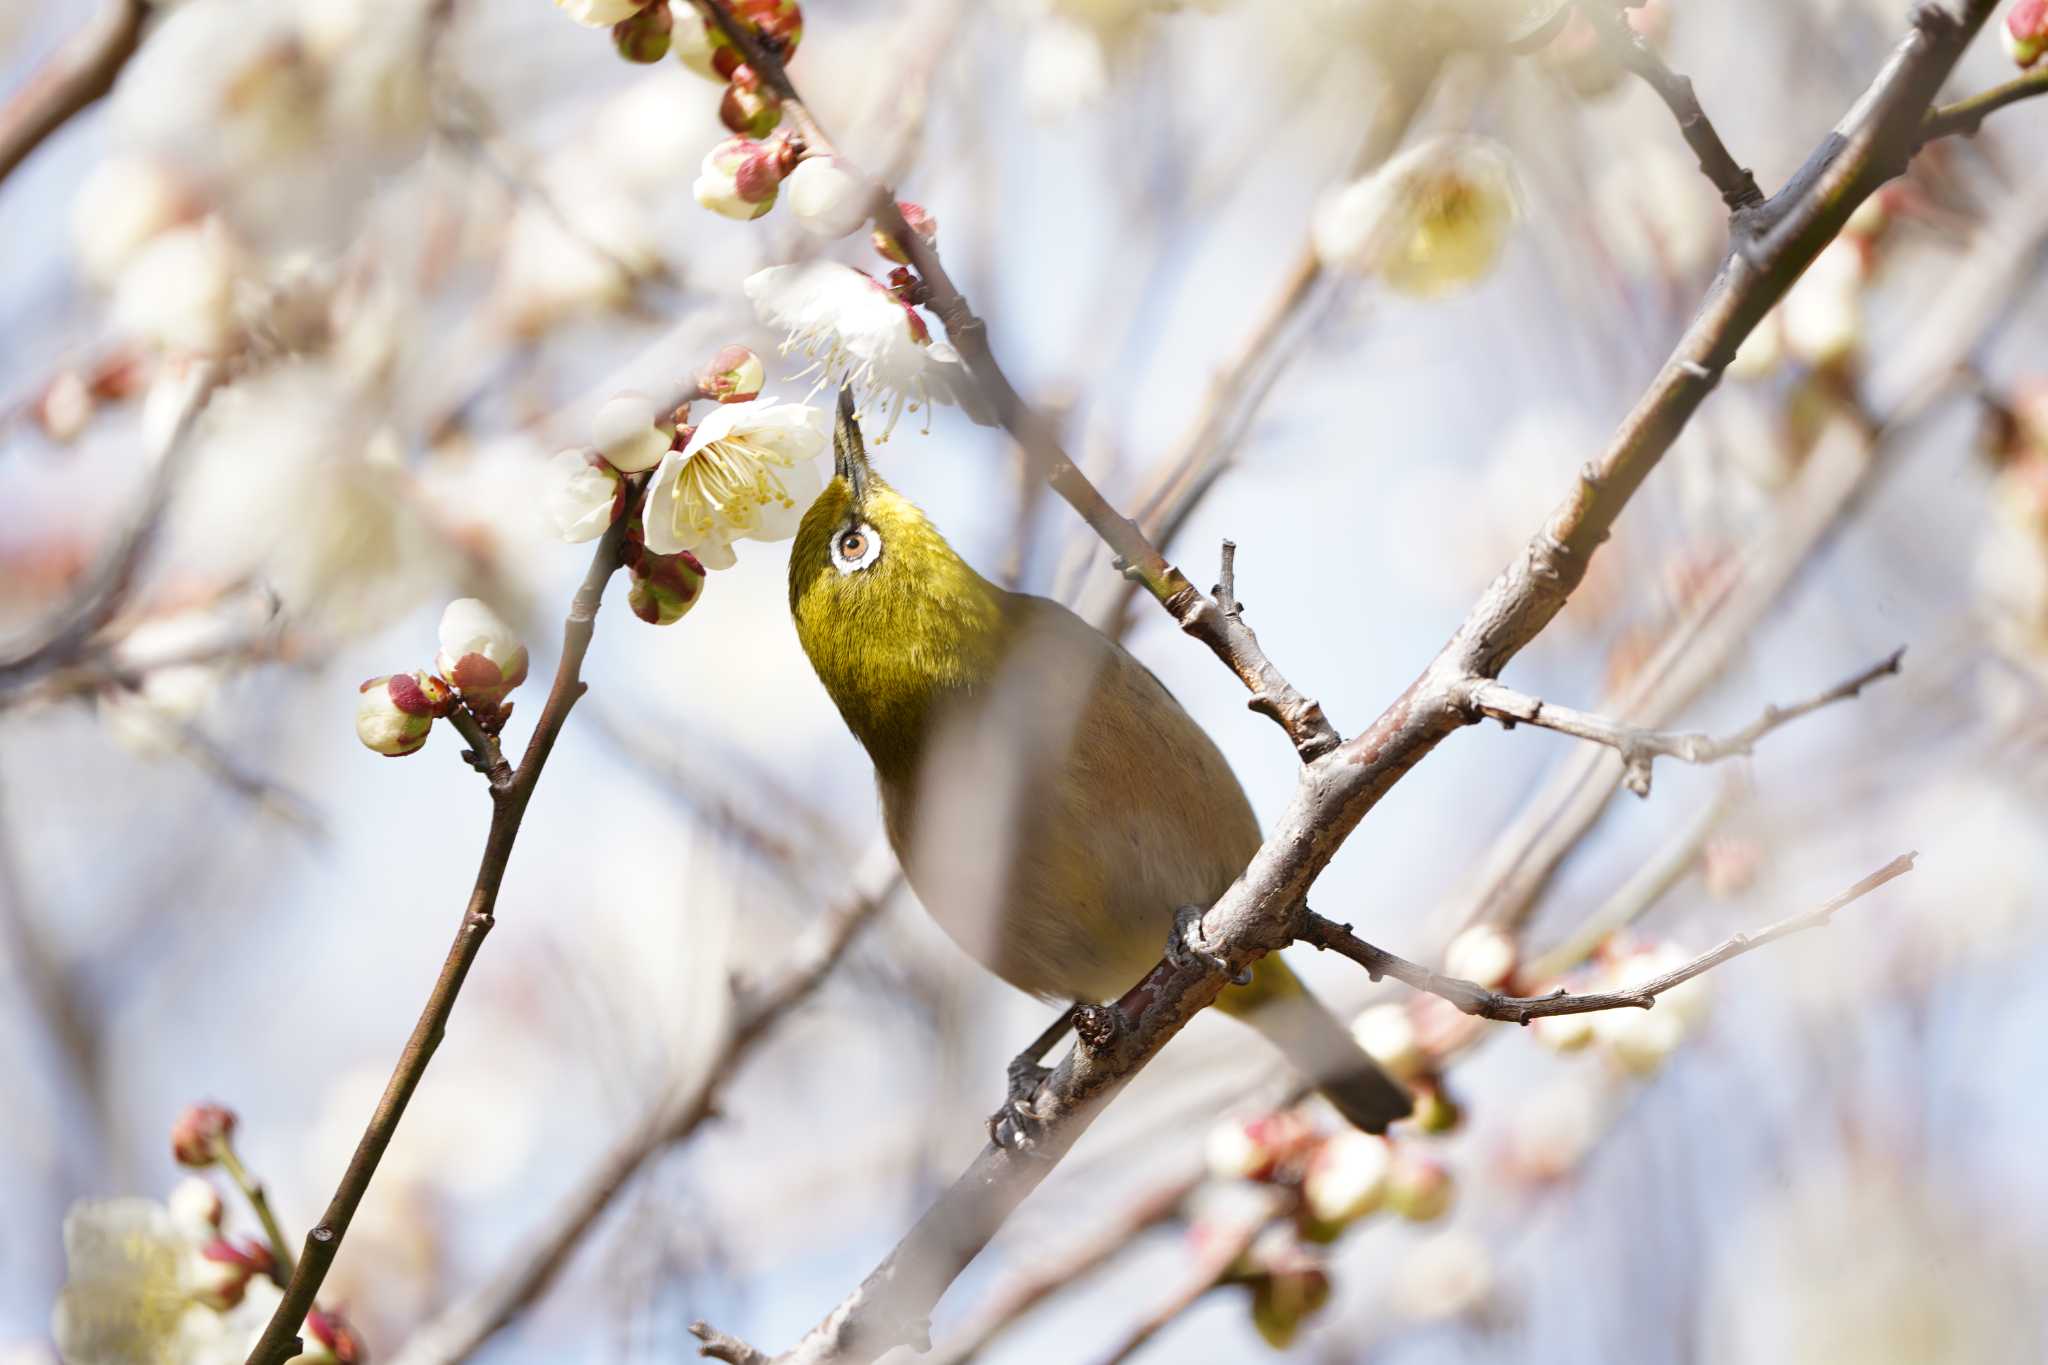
(855, 547)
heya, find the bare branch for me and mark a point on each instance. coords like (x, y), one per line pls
(1965, 117)
(1638, 746)
(75, 76)
(280, 1341)
(1737, 186)
(718, 1346)
(1475, 999)
(1212, 1264)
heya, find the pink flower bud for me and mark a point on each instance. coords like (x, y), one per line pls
(734, 375)
(397, 712)
(1419, 1188)
(1258, 1146)
(749, 107)
(738, 178)
(225, 1269)
(2026, 32)
(643, 37)
(921, 223)
(665, 587)
(778, 24)
(200, 1133)
(331, 1340)
(481, 656)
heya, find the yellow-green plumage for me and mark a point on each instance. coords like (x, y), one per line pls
(1052, 803)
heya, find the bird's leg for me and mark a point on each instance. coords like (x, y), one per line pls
(1185, 946)
(1015, 1124)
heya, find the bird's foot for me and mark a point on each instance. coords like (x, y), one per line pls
(1186, 947)
(1016, 1126)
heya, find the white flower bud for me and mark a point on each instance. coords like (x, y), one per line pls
(481, 656)
(1256, 1146)
(1482, 955)
(124, 202)
(1419, 1188)
(583, 494)
(695, 41)
(195, 1207)
(739, 178)
(1387, 1034)
(734, 375)
(828, 196)
(1347, 1177)
(1564, 1032)
(625, 433)
(396, 713)
(599, 13)
(1823, 313)
(178, 292)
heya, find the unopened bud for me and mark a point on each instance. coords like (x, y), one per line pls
(396, 713)
(599, 13)
(200, 1133)
(665, 587)
(1563, 1032)
(1482, 955)
(1823, 312)
(748, 106)
(1257, 1146)
(626, 434)
(829, 196)
(584, 494)
(1346, 1178)
(1435, 1110)
(64, 406)
(2026, 32)
(695, 40)
(920, 222)
(195, 1207)
(1285, 1299)
(778, 24)
(738, 178)
(734, 375)
(330, 1340)
(1419, 1188)
(481, 656)
(224, 1270)
(644, 36)
(1387, 1034)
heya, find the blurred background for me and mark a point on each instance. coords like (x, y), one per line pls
(459, 227)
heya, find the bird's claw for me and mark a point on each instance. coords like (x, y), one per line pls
(1015, 1126)
(1186, 947)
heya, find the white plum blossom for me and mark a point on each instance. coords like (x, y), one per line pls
(122, 204)
(481, 656)
(626, 434)
(829, 197)
(133, 1295)
(1430, 221)
(1347, 1177)
(599, 13)
(179, 290)
(582, 494)
(747, 473)
(856, 332)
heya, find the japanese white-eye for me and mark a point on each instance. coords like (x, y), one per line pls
(1051, 802)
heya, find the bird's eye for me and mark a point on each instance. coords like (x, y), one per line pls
(855, 548)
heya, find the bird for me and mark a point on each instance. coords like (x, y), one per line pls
(1053, 806)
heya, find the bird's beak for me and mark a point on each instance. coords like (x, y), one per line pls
(849, 456)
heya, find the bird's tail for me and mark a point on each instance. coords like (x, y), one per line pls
(1316, 1043)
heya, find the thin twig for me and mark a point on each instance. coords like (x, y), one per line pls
(1638, 746)
(1212, 1266)
(1477, 1000)
(1735, 182)
(509, 800)
(253, 1191)
(1966, 116)
(75, 76)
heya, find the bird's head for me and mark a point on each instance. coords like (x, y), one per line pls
(887, 611)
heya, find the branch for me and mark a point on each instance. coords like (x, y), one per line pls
(1638, 746)
(1475, 999)
(74, 76)
(1737, 186)
(1965, 117)
(1228, 637)
(1213, 1264)
(509, 800)
(1336, 788)
(679, 1110)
